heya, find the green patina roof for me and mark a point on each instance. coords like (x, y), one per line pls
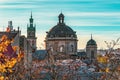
(91, 42)
(61, 30)
(31, 28)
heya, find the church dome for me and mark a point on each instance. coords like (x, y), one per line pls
(91, 42)
(61, 29)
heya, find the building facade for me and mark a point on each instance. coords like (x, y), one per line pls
(31, 34)
(61, 38)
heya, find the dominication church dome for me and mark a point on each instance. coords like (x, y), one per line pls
(61, 38)
(61, 29)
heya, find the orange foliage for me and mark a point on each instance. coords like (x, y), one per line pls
(6, 63)
(102, 59)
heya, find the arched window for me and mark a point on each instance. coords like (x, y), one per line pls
(92, 55)
(62, 48)
(72, 49)
(50, 48)
(32, 42)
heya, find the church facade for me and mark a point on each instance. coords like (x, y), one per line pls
(61, 38)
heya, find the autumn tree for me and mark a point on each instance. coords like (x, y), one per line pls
(8, 57)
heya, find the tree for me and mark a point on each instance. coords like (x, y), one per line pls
(113, 61)
(8, 57)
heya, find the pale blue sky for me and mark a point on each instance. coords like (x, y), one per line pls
(99, 17)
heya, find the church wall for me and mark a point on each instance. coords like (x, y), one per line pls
(65, 46)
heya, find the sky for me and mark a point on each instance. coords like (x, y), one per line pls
(101, 18)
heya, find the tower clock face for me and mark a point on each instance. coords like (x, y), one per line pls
(31, 33)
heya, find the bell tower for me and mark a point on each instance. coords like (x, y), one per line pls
(91, 49)
(31, 33)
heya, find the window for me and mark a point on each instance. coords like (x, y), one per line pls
(32, 42)
(92, 54)
(72, 49)
(62, 48)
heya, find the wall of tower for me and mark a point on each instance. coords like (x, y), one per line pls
(91, 51)
(27, 53)
(32, 42)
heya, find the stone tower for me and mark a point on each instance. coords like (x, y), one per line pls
(91, 49)
(31, 33)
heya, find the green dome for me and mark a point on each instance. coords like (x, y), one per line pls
(91, 42)
(61, 30)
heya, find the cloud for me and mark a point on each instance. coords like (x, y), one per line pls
(97, 14)
(100, 17)
(82, 5)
